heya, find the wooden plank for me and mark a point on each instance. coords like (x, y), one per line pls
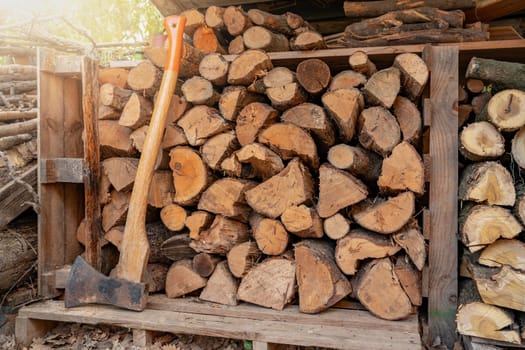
(443, 260)
(61, 170)
(51, 61)
(15, 198)
(263, 330)
(142, 337)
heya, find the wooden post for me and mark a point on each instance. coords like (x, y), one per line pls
(26, 329)
(142, 338)
(443, 260)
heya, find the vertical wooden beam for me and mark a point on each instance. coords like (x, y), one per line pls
(443, 260)
(26, 329)
(142, 338)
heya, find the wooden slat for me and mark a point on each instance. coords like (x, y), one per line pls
(353, 330)
(61, 170)
(443, 284)
(15, 197)
(51, 61)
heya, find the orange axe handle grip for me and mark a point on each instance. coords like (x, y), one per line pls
(175, 27)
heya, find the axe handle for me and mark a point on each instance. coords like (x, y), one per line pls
(134, 249)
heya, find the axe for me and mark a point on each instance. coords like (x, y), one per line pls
(125, 289)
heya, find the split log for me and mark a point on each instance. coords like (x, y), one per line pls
(307, 40)
(286, 96)
(8, 142)
(17, 72)
(356, 160)
(18, 87)
(233, 168)
(190, 175)
(199, 91)
(202, 122)
(463, 96)
(173, 136)
(242, 258)
(313, 118)
(194, 20)
(114, 139)
(487, 182)
(347, 79)
(382, 87)
(221, 287)
(214, 68)
(113, 236)
(137, 112)
(249, 65)
(290, 141)
(518, 148)
(378, 130)
(177, 248)
(121, 172)
(206, 40)
(270, 284)
(204, 264)
(296, 22)
(191, 57)
(356, 9)
(385, 215)
(113, 75)
(503, 287)
(107, 113)
(276, 77)
(321, 283)
(509, 252)
(236, 46)
(314, 76)
(410, 280)
(213, 17)
(475, 86)
(414, 74)
(264, 161)
(464, 113)
(223, 235)
(226, 197)
(252, 118)
(481, 225)
(161, 190)
(104, 187)
(379, 290)
(270, 235)
(19, 254)
(482, 141)
(178, 107)
(9, 116)
(12, 129)
(292, 186)
(402, 170)
(234, 98)
(413, 243)
(519, 207)
(302, 221)
(218, 148)
(114, 213)
(182, 279)
(360, 62)
(145, 77)
(486, 321)
(114, 96)
(344, 106)
(173, 216)
(156, 277)
(505, 110)
(479, 104)
(359, 245)
(236, 20)
(501, 74)
(257, 37)
(276, 23)
(197, 222)
(408, 118)
(338, 189)
(336, 226)
(20, 155)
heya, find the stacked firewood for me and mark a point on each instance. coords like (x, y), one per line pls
(275, 182)
(492, 188)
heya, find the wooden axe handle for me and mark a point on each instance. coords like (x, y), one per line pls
(134, 249)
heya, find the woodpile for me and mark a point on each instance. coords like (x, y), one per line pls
(275, 185)
(492, 191)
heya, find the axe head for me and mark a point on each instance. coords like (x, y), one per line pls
(85, 285)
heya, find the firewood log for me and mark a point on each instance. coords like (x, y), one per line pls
(108, 113)
(501, 74)
(114, 96)
(292, 186)
(223, 235)
(178, 106)
(356, 160)
(360, 62)
(173, 216)
(321, 283)
(464, 113)
(313, 118)
(302, 221)
(276, 23)
(487, 182)
(509, 252)
(214, 68)
(252, 118)
(257, 37)
(518, 148)
(269, 284)
(17, 72)
(382, 87)
(402, 170)
(336, 226)
(248, 66)
(463, 96)
(197, 222)
(314, 76)
(18, 87)
(379, 290)
(408, 118)
(13, 129)
(226, 197)
(234, 98)
(479, 103)
(269, 234)
(412, 241)
(236, 46)
(113, 75)
(307, 40)
(265, 162)
(347, 79)
(145, 77)
(410, 279)
(182, 279)
(113, 236)
(173, 136)
(190, 175)
(137, 112)
(202, 122)
(233, 168)
(236, 20)
(114, 139)
(275, 78)
(104, 186)
(385, 215)
(177, 248)
(481, 225)
(114, 213)
(475, 86)
(8, 142)
(242, 258)
(504, 110)
(414, 74)
(290, 141)
(378, 130)
(344, 106)
(482, 141)
(161, 190)
(191, 57)
(338, 189)
(199, 91)
(156, 277)
(218, 148)
(221, 287)
(213, 17)
(358, 9)
(204, 264)
(121, 172)
(359, 245)
(194, 19)
(287, 96)
(206, 40)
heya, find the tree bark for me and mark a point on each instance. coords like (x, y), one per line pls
(482, 141)
(223, 235)
(8, 142)
(275, 23)
(114, 96)
(204, 264)
(487, 182)
(14, 129)
(356, 9)
(502, 74)
(314, 76)
(177, 248)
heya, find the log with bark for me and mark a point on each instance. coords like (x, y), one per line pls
(356, 9)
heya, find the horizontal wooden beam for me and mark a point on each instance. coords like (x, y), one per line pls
(68, 170)
(53, 62)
